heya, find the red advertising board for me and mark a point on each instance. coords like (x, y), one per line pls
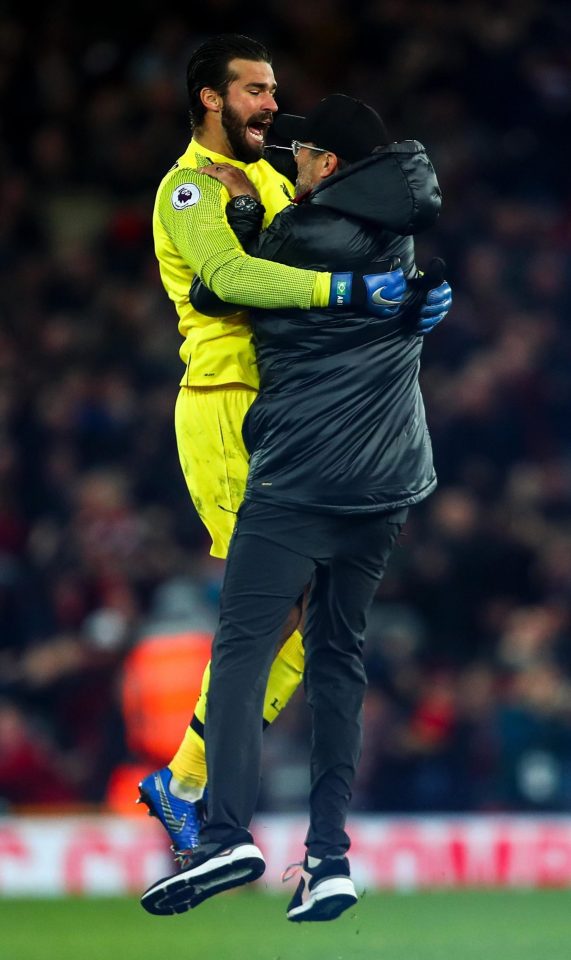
(113, 854)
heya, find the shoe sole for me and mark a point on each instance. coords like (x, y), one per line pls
(327, 902)
(188, 889)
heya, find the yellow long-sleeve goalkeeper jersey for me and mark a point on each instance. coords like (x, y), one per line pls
(192, 235)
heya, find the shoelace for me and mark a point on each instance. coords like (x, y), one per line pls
(182, 857)
(292, 870)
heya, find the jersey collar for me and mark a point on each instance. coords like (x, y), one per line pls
(196, 149)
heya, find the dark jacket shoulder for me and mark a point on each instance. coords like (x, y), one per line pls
(396, 187)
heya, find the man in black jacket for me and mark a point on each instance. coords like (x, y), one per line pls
(339, 449)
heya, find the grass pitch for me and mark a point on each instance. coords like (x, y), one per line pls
(249, 925)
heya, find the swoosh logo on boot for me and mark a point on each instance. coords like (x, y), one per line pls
(176, 824)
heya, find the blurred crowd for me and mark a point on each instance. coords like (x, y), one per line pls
(468, 647)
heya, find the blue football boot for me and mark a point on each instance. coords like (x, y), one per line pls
(181, 819)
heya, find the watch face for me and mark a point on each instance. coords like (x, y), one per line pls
(245, 203)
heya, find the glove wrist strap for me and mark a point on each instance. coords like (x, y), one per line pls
(341, 288)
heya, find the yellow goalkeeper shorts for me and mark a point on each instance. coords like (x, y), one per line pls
(214, 460)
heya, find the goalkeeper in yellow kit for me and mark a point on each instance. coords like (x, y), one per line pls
(231, 88)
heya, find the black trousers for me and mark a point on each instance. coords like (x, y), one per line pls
(274, 553)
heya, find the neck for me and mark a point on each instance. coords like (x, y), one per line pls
(213, 138)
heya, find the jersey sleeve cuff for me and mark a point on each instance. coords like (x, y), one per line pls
(321, 290)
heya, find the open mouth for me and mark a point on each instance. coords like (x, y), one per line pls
(257, 131)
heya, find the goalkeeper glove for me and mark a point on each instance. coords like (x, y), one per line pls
(432, 297)
(379, 291)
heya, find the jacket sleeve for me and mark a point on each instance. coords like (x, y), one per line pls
(206, 302)
(191, 210)
(262, 244)
(246, 223)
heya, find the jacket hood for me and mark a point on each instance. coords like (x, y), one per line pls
(396, 188)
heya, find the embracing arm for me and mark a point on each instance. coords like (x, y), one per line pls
(191, 211)
(429, 296)
(245, 214)
(192, 216)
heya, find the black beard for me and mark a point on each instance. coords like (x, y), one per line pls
(234, 129)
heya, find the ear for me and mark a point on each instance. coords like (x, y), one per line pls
(329, 164)
(211, 99)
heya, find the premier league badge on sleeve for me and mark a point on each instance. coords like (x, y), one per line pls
(187, 195)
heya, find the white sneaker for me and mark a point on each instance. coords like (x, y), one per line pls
(323, 892)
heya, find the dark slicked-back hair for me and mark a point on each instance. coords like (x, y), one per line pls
(208, 67)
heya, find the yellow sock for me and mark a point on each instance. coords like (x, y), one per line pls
(189, 762)
(285, 676)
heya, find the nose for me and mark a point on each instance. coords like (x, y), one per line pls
(270, 103)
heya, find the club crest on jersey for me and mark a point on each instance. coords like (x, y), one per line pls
(185, 196)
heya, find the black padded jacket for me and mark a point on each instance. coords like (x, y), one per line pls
(339, 423)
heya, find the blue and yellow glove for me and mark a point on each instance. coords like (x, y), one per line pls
(432, 297)
(379, 292)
